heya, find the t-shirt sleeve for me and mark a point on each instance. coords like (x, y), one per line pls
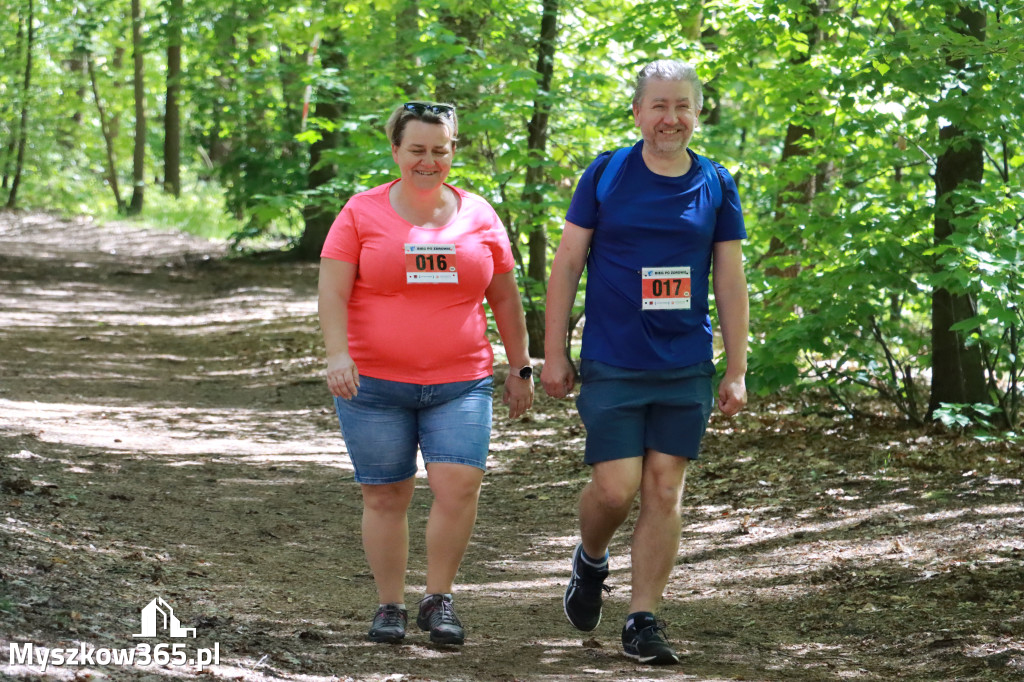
(342, 241)
(583, 208)
(730, 225)
(501, 247)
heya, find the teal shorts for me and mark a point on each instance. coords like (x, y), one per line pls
(629, 411)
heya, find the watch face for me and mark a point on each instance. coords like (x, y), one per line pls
(526, 372)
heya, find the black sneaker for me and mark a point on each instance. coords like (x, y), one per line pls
(583, 597)
(647, 645)
(388, 624)
(438, 615)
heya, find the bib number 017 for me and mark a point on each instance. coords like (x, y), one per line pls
(665, 288)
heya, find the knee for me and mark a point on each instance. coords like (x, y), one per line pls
(665, 497)
(612, 494)
(457, 496)
(455, 486)
(386, 499)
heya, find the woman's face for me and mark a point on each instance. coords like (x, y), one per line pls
(425, 155)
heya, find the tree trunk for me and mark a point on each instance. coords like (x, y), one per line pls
(19, 162)
(452, 84)
(537, 269)
(958, 374)
(172, 114)
(796, 134)
(114, 124)
(108, 137)
(12, 140)
(139, 156)
(318, 215)
(407, 33)
(292, 95)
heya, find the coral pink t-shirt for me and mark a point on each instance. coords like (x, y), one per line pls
(416, 311)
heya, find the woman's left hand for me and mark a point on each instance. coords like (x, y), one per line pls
(518, 395)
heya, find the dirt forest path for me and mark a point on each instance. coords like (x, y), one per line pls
(165, 433)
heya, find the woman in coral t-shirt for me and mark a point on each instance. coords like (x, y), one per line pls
(403, 275)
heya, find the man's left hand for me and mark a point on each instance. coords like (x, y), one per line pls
(732, 395)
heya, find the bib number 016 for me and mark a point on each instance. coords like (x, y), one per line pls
(430, 264)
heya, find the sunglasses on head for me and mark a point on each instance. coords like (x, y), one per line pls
(419, 108)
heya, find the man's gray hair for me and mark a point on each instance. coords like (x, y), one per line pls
(668, 70)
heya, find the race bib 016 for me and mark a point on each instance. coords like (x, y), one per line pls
(430, 264)
(665, 288)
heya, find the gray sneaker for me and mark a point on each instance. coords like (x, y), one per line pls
(438, 616)
(388, 624)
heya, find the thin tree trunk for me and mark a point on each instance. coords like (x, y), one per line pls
(958, 374)
(19, 163)
(466, 21)
(79, 71)
(12, 141)
(796, 135)
(407, 33)
(220, 146)
(537, 269)
(318, 214)
(172, 114)
(108, 138)
(114, 125)
(139, 156)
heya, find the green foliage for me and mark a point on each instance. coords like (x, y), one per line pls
(962, 417)
(841, 275)
(845, 303)
(199, 211)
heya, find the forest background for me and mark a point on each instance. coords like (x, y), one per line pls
(877, 147)
(164, 425)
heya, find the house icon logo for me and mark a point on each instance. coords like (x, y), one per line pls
(158, 614)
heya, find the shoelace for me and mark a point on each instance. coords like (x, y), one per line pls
(442, 613)
(655, 628)
(391, 616)
(578, 582)
(448, 616)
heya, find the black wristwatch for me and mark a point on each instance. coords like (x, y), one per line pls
(526, 372)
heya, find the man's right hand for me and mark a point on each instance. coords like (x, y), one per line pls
(558, 375)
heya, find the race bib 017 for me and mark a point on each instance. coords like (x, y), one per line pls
(430, 264)
(665, 288)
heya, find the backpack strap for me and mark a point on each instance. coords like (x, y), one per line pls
(714, 180)
(609, 171)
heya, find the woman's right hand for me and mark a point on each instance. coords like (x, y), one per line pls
(342, 376)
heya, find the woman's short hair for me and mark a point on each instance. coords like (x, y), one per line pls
(428, 112)
(668, 70)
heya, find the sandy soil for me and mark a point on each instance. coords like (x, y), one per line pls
(165, 433)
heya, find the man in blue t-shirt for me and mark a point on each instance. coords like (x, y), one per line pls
(650, 235)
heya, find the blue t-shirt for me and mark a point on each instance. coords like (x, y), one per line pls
(651, 227)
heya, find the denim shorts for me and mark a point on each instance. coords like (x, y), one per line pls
(386, 421)
(628, 411)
